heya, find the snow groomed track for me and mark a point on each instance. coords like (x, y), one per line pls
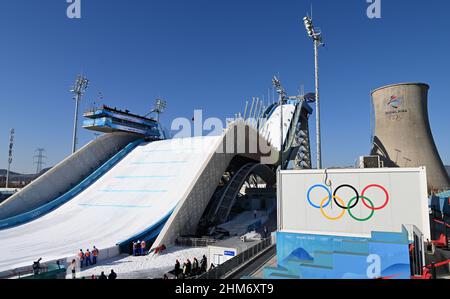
(137, 195)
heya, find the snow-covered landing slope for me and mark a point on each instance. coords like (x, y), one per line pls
(271, 130)
(137, 193)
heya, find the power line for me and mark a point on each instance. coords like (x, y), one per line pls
(10, 155)
(39, 160)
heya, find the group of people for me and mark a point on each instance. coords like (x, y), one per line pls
(190, 268)
(102, 276)
(88, 258)
(139, 248)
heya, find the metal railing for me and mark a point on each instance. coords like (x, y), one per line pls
(236, 262)
(194, 242)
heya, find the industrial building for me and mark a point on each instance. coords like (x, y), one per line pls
(403, 136)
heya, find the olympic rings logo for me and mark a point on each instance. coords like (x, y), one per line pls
(352, 203)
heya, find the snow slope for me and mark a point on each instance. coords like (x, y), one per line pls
(271, 129)
(137, 193)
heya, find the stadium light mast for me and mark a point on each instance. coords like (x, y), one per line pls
(10, 156)
(316, 36)
(160, 106)
(282, 96)
(81, 84)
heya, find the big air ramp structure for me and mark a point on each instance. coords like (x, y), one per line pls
(153, 191)
(133, 199)
(403, 135)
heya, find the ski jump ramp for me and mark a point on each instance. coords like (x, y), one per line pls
(159, 188)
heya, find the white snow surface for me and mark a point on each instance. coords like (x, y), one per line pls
(144, 267)
(134, 195)
(271, 129)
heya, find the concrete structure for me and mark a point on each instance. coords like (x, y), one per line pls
(65, 175)
(184, 220)
(222, 251)
(402, 134)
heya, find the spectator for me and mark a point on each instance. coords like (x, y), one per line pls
(203, 264)
(138, 245)
(81, 257)
(177, 269)
(143, 245)
(184, 270)
(93, 276)
(195, 267)
(87, 257)
(134, 248)
(429, 245)
(189, 267)
(37, 266)
(94, 255)
(73, 266)
(165, 276)
(266, 232)
(112, 275)
(103, 276)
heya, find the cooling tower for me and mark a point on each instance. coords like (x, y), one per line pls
(402, 134)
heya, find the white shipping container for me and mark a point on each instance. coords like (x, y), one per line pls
(317, 201)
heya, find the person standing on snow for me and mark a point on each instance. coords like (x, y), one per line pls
(94, 255)
(177, 268)
(195, 267)
(134, 248)
(184, 270)
(143, 245)
(73, 267)
(138, 245)
(87, 257)
(189, 267)
(204, 264)
(81, 257)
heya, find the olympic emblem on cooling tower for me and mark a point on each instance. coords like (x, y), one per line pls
(352, 203)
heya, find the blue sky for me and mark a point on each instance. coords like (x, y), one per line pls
(212, 55)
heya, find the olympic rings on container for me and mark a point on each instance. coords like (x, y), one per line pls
(332, 218)
(375, 186)
(323, 187)
(347, 186)
(353, 202)
(372, 211)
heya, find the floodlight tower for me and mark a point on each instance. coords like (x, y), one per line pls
(282, 96)
(81, 84)
(160, 106)
(316, 36)
(10, 155)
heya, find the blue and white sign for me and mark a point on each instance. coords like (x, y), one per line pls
(229, 253)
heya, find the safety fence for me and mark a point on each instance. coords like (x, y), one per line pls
(194, 242)
(239, 260)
